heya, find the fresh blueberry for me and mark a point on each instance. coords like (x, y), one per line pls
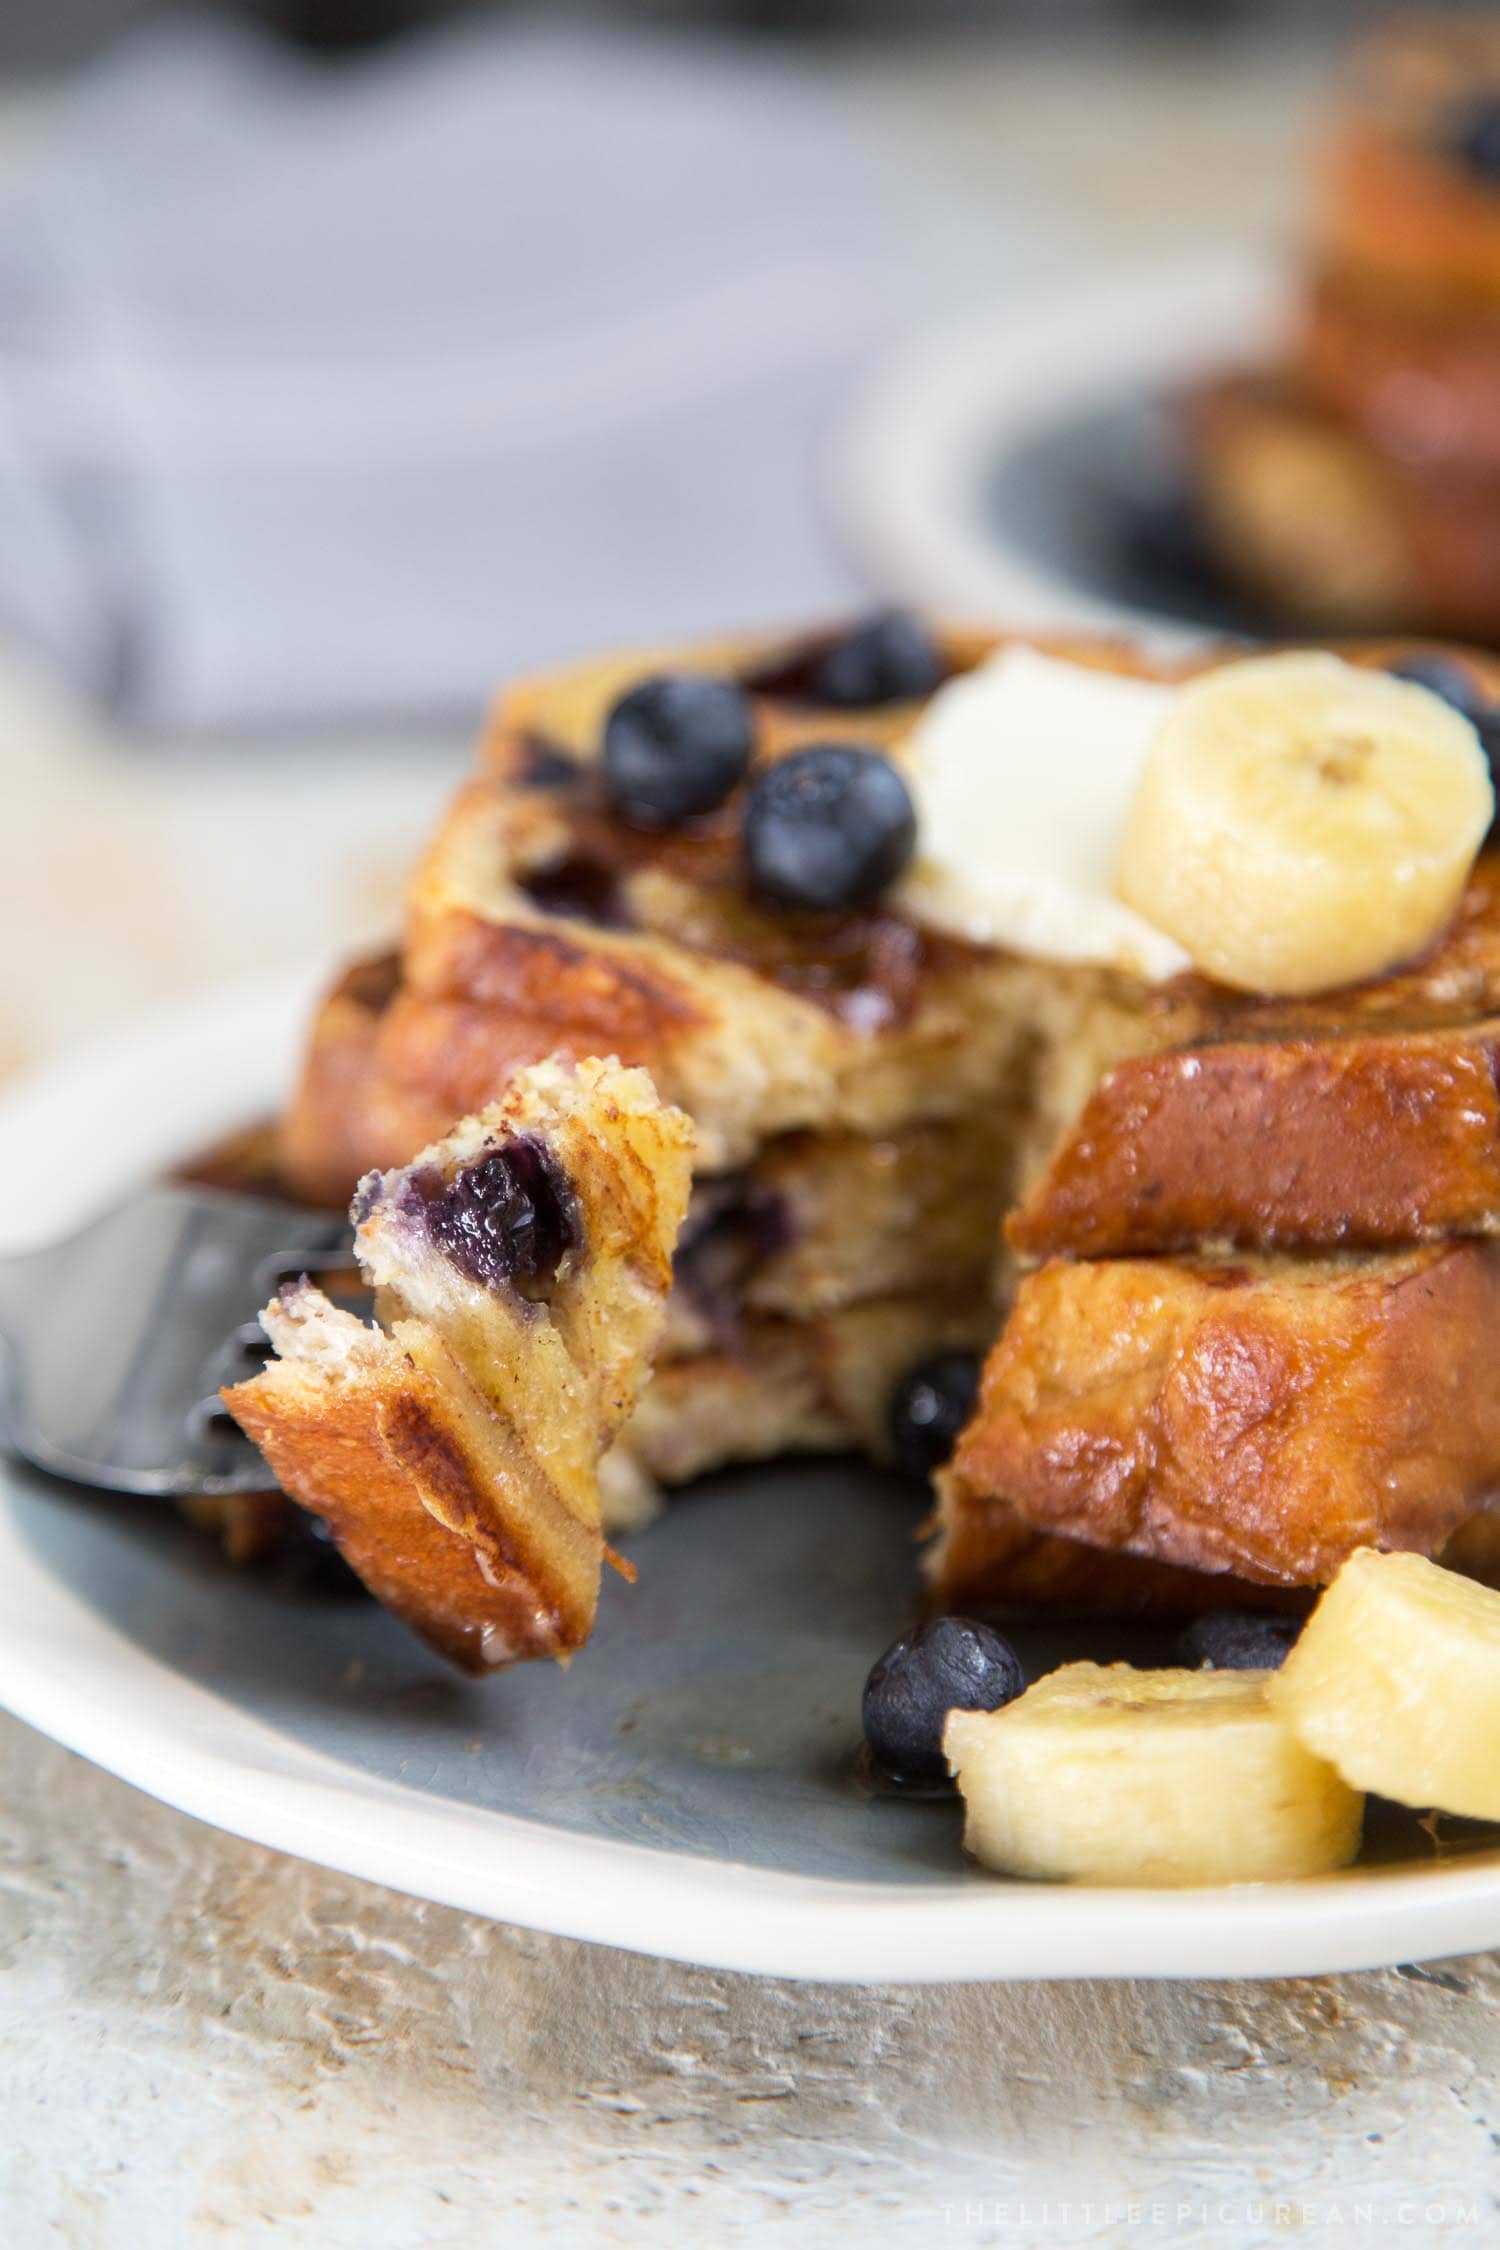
(951, 1664)
(890, 658)
(1237, 1640)
(1473, 137)
(929, 1407)
(509, 1217)
(1452, 679)
(675, 746)
(828, 828)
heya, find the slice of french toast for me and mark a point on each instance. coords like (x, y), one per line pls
(1353, 485)
(521, 1268)
(1260, 1417)
(1362, 1139)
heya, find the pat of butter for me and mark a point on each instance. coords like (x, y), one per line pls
(1022, 773)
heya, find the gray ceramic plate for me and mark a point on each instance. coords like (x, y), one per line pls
(1022, 464)
(687, 1787)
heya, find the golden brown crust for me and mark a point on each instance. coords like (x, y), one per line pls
(1366, 1140)
(396, 1487)
(987, 1556)
(1262, 1418)
(348, 1114)
(454, 1448)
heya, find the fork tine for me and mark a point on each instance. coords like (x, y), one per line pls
(118, 1337)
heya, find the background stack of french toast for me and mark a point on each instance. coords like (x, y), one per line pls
(1356, 485)
(1240, 1317)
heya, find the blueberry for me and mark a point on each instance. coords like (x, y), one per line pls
(675, 746)
(1472, 137)
(1238, 1640)
(828, 828)
(509, 1217)
(928, 1409)
(951, 1664)
(890, 658)
(1452, 679)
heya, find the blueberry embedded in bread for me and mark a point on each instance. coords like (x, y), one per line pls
(521, 1269)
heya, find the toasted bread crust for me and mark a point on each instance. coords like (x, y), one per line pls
(1376, 1138)
(454, 1448)
(986, 1556)
(1262, 1418)
(396, 1485)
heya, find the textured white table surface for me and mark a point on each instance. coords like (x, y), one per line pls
(202, 2042)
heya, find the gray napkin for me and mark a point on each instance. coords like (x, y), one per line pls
(327, 395)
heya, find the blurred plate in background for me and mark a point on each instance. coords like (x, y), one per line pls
(1023, 465)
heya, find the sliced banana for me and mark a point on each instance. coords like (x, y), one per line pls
(1302, 823)
(1396, 1681)
(1104, 1774)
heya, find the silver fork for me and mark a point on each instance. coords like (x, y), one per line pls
(114, 1342)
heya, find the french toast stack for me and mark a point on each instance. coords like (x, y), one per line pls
(859, 1086)
(1261, 1275)
(1356, 486)
(1240, 1315)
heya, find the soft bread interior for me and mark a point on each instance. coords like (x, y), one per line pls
(454, 1447)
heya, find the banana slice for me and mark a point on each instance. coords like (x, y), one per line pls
(1396, 1681)
(1103, 1774)
(1302, 823)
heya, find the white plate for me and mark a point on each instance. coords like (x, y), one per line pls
(969, 472)
(686, 1788)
